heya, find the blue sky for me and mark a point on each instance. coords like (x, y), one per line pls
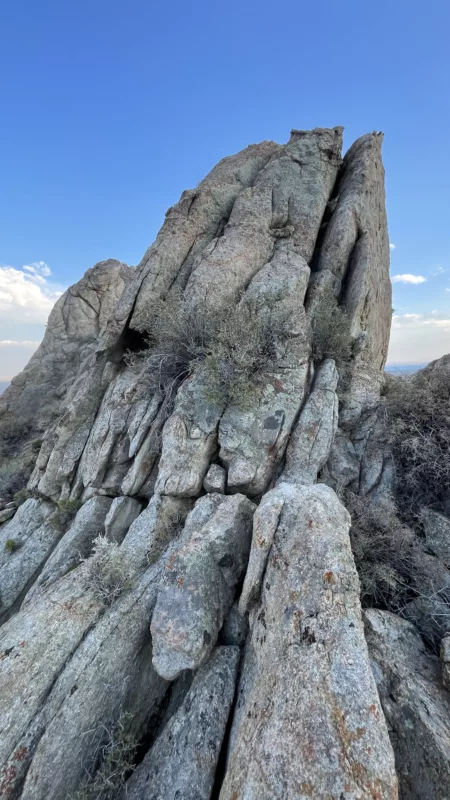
(110, 109)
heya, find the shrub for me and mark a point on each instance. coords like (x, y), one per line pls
(22, 495)
(113, 762)
(13, 477)
(107, 570)
(385, 552)
(331, 333)
(65, 513)
(230, 346)
(419, 427)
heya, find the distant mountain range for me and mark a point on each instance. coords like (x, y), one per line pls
(403, 369)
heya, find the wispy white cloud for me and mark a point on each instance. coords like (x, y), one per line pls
(408, 278)
(392, 245)
(15, 343)
(438, 270)
(26, 295)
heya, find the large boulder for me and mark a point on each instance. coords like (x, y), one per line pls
(308, 722)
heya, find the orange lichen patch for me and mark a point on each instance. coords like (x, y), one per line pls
(293, 595)
(171, 561)
(235, 796)
(310, 523)
(180, 582)
(306, 788)
(329, 577)
(374, 710)
(22, 644)
(21, 753)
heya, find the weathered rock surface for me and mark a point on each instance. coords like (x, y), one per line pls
(416, 706)
(79, 317)
(311, 441)
(300, 728)
(75, 544)
(278, 227)
(437, 534)
(183, 760)
(445, 659)
(198, 586)
(25, 543)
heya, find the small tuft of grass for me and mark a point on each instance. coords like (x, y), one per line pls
(65, 513)
(113, 759)
(108, 572)
(11, 545)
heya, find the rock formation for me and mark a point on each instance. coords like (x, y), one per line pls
(180, 574)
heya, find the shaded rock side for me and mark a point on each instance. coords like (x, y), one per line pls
(416, 706)
(308, 722)
(183, 761)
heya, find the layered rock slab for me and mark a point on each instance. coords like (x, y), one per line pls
(301, 728)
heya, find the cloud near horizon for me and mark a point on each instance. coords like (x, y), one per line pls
(27, 295)
(408, 278)
(418, 338)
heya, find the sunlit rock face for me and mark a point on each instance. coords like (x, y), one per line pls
(179, 584)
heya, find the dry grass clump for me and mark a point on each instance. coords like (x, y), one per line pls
(64, 515)
(116, 756)
(419, 425)
(108, 572)
(230, 346)
(385, 552)
(331, 333)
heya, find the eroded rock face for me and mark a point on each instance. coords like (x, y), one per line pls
(174, 489)
(416, 706)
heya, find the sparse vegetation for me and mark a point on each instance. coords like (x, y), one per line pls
(13, 477)
(391, 562)
(419, 424)
(65, 514)
(170, 524)
(113, 762)
(11, 545)
(22, 495)
(384, 550)
(230, 346)
(331, 334)
(108, 572)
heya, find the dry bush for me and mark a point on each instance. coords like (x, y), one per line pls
(230, 346)
(385, 552)
(331, 333)
(108, 572)
(116, 756)
(64, 515)
(13, 477)
(419, 426)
